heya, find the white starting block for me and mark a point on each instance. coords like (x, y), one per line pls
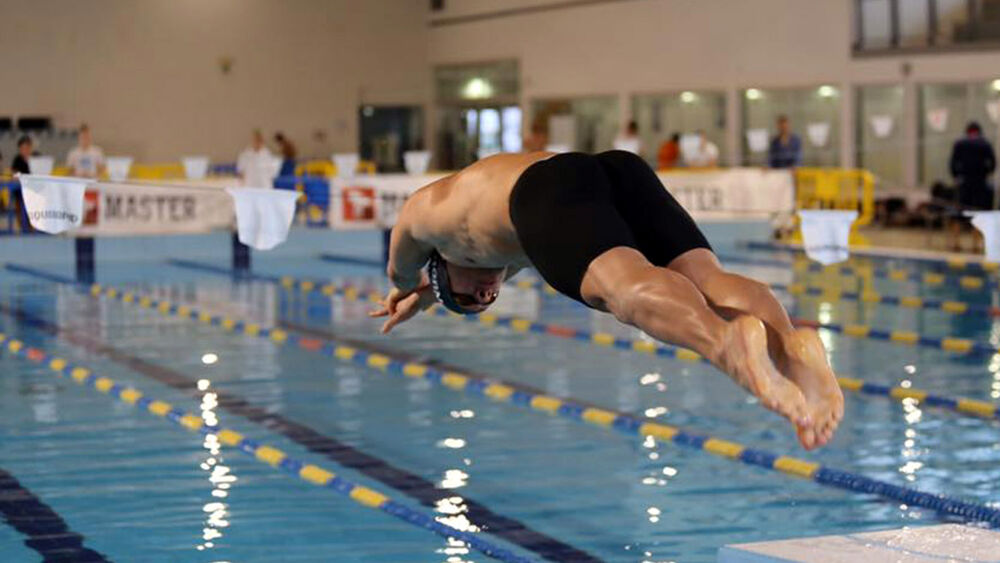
(118, 167)
(988, 223)
(195, 167)
(346, 163)
(929, 544)
(825, 234)
(41, 165)
(416, 162)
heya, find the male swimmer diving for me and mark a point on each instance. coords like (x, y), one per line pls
(603, 230)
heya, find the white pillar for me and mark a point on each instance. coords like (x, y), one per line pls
(911, 135)
(848, 133)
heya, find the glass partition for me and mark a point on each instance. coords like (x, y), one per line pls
(879, 133)
(813, 115)
(945, 110)
(587, 124)
(660, 116)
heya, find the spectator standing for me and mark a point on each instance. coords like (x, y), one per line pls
(85, 160)
(288, 154)
(20, 163)
(703, 155)
(786, 147)
(256, 164)
(669, 153)
(629, 140)
(537, 139)
(972, 162)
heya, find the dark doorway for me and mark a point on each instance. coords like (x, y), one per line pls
(387, 132)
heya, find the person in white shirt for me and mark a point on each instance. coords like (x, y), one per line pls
(629, 141)
(703, 155)
(85, 160)
(256, 165)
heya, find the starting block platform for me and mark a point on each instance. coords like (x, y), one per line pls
(927, 544)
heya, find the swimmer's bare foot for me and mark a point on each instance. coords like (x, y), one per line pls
(744, 357)
(805, 364)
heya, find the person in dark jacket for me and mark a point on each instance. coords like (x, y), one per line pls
(20, 163)
(20, 166)
(972, 162)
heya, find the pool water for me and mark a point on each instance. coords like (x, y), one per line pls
(130, 486)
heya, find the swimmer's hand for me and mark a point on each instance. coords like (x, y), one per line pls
(401, 306)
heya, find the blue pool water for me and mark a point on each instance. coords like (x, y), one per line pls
(135, 487)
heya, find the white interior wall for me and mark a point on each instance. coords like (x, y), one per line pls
(638, 46)
(146, 75)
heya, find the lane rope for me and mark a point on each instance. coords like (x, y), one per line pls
(857, 273)
(571, 409)
(960, 405)
(314, 474)
(954, 263)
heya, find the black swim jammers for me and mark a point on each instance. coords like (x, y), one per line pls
(571, 208)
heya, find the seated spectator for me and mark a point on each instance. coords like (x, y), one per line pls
(86, 160)
(669, 153)
(786, 147)
(705, 154)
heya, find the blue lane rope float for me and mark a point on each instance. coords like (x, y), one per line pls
(572, 409)
(856, 272)
(958, 264)
(965, 406)
(270, 455)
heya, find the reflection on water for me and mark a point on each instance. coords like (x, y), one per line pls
(220, 475)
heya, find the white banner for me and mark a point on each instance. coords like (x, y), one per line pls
(732, 192)
(128, 210)
(367, 202)
(53, 204)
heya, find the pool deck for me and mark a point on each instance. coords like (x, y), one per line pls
(926, 544)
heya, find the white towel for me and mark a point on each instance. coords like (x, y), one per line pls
(988, 223)
(54, 204)
(825, 234)
(263, 216)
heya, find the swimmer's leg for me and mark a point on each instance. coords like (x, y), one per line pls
(668, 307)
(798, 353)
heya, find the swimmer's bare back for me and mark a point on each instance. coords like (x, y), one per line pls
(466, 216)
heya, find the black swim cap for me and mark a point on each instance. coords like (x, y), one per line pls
(437, 271)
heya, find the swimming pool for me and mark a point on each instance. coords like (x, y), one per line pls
(128, 485)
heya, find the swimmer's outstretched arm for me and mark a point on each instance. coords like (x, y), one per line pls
(411, 292)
